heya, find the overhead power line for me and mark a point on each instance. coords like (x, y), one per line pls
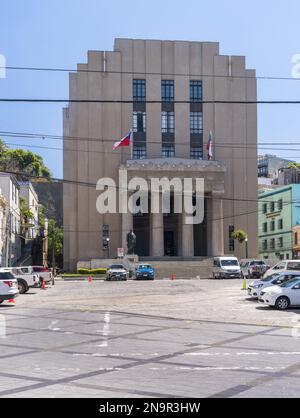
(226, 142)
(93, 185)
(81, 70)
(102, 101)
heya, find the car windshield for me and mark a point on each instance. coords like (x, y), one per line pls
(269, 278)
(291, 282)
(6, 276)
(117, 266)
(229, 263)
(145, 266)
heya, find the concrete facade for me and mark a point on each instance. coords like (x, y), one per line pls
(90, 130)
(11, 250)
(28, 193)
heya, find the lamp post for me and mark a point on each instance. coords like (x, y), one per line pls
(246, 242)
(107, 242)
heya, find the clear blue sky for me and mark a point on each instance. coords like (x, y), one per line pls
(58, 33)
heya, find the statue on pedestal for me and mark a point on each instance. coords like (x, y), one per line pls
(131, 242)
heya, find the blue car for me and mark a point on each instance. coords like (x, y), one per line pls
(144, 272)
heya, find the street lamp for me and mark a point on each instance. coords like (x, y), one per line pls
(107, 244)
(246, 242)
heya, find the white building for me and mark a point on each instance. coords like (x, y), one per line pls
(10, 219)
(28, 193)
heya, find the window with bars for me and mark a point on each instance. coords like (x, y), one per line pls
(196, 122)
(139, 121)
(139, 152)
(167, 90)
(139, 90)
(231, 240)
(195, 91)
(196, 153)
(168, 151)
(167, 122)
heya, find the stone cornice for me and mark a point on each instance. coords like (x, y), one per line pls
(177, 164)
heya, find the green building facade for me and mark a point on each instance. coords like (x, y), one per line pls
(279, 211)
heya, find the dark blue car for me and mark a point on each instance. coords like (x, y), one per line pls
(144, 272)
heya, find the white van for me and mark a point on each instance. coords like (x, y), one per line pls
(283, 265)
(226, 268)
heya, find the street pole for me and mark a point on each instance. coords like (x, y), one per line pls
(246, 242)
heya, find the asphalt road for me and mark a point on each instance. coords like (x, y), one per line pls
(189, 338)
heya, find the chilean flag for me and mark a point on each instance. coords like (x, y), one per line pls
(209, 147)
(124, 142)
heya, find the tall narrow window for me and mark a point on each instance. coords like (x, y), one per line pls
(139, 152)
(139, 90)
(168, 151)
(167, 122)
(231, 240)
(139, 122)
(196, 122)
(196, 153)
(167, 90)
(195, 91)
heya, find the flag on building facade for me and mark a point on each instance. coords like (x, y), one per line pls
(124, 142)
(209, 147)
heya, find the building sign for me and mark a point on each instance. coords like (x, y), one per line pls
(120, 252)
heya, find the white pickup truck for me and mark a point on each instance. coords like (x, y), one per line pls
(26, 279)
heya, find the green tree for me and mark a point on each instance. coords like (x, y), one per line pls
(239, 235)
(20, 160)
(55, 240)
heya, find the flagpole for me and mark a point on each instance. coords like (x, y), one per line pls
(131, 144)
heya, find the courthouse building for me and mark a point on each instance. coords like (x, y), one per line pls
(172, 94)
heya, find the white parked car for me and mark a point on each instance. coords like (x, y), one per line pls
(8, 287)
(283, 266)
(117, 272)
(255, 288)
(226, 268)
(25, 279)
(282, 296)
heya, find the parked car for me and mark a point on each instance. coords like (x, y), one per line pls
(253, 268)
(282, 296)
(117, 272)
(255, 288)
(144, 272)
(25, 280)
(226, 268)
(8, 287)
(45, 274)
(283, 266)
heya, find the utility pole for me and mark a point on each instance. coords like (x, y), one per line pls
(45, 244)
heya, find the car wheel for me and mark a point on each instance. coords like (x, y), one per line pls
(282, 303)
(1, 301)
(22, 288)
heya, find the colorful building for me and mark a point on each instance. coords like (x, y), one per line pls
(279, 213)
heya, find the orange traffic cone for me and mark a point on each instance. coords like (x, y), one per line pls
(90, 280)
(173, 277)
(43, 284)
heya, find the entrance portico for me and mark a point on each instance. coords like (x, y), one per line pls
(168, 234)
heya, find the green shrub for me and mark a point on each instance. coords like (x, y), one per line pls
(85, 271)
(98, 271)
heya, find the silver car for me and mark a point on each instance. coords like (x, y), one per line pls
(117, 272)
(255, 288)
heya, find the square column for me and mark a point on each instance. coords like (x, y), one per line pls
(127, 225)
(187, 238)
(157, 235)
(217, 233)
